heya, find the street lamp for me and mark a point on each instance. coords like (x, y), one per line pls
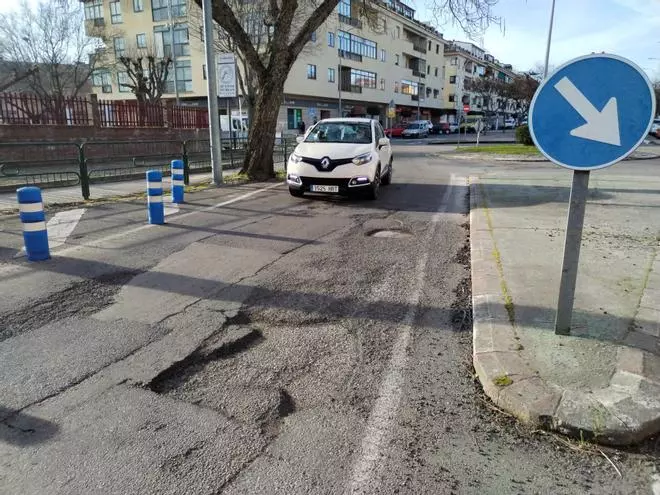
(547, 48)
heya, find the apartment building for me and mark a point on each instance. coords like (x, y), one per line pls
(466, 62)
(348, 67)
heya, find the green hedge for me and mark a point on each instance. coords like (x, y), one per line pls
(523, 136)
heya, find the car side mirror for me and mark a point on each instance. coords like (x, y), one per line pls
(300, 139)
(383, 142)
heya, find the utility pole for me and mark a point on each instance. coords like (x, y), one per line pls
(212, 91)
(547, 48)
(176, 79)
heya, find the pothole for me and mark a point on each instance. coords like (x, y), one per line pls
(390, 233)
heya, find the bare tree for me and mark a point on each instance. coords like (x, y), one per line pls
(50, 35)
(290, 24)
(521, 91)
(488, 90)
(15, 76)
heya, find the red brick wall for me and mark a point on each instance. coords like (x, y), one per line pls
(79, 134)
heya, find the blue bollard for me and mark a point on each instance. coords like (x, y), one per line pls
(31, 212)
(177, 181)
(155, 197)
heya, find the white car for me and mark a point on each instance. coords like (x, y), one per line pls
(655, 127)
(416, 129)
(509, 123)
(341, 156)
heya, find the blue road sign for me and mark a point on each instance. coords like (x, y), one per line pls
(592, 112)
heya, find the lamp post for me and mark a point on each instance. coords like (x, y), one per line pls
(547, 48)
(176, 79)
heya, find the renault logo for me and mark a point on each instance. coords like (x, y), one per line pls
(325, 163)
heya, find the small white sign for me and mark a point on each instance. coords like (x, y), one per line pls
(226, 75)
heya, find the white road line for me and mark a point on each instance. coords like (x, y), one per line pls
(171, 209)
(384, 412)
(119, 235)
(60, 227)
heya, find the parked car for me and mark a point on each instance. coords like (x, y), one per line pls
(395, 131)
(341, 156)
(510, 123)
(427, 123)
(416, 129)
(655, 127)
(446, 128)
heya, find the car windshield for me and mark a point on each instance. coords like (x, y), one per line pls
(413, 126)
(340, 132)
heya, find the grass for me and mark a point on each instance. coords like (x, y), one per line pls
(500, 149)
(502, 380)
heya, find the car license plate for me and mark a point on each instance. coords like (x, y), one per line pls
(325, 189)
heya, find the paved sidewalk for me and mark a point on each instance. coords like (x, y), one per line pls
(603, 381)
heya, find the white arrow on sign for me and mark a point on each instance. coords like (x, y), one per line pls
(601, 126)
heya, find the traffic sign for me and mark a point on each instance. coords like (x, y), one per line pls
(466, 108)
(592, 112)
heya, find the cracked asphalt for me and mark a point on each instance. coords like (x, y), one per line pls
(269, 345)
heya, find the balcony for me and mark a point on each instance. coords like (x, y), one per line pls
(351, 88)
(419, 74)
(350, 55)
(351, 21)
(419, 47)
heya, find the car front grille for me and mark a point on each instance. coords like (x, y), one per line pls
(317, 162)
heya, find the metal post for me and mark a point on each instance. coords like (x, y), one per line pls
(547, 48)
(212, 91)
(232, 136)
(576, 209)
(176, 78)
(419, 84)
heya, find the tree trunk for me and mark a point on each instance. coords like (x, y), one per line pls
(258, 163)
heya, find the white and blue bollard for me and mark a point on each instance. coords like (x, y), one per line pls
(177, 181)
(31, 212)
(155, 197)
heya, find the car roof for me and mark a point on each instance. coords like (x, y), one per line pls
(348, 119)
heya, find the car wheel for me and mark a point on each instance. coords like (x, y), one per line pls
(387, 180)
(296, 192)
(374, 190)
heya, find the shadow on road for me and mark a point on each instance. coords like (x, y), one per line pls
(22, 429)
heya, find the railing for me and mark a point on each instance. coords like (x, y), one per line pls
(351, 21)
(418, 73)
(350, 55)
(31, 109)
(84, 164)
(351, 88)
(419, 48)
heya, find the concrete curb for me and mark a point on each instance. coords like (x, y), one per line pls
(625, 412)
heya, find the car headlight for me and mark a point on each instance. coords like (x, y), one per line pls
(295, 158)
(362, 159)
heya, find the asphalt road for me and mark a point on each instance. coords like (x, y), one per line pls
(260, 343)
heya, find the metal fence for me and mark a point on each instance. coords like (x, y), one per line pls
(84, 164)
(30, 109)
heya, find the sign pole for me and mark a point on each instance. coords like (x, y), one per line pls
(212, 91)
(576, 208)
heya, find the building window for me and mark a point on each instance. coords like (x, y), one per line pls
(452, 79)
(331, 75)
(160, 9)
(138, 5)
(382, 84)
(396, 87)
(436, 72)
(103, 80)
(293, 117)
(383, 55)
(141, 40)
(430, 45)
(204, 72)
(313, 37)
(436, 93)
(358, 45)
(396, 59)
(452, 98)
(344, 8)
(363, 78)
(115, 13)
(409, 87)
(94, 10)
(119, 45)
(453, 61)
(164, 41)
(437, 48)
(331, 39)
(428, 69)
(311, 71)
(398, 32)
(183, 77)
(122, 81)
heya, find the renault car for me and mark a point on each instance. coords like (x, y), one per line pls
(341, 156)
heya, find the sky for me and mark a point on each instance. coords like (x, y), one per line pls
(630, 28)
